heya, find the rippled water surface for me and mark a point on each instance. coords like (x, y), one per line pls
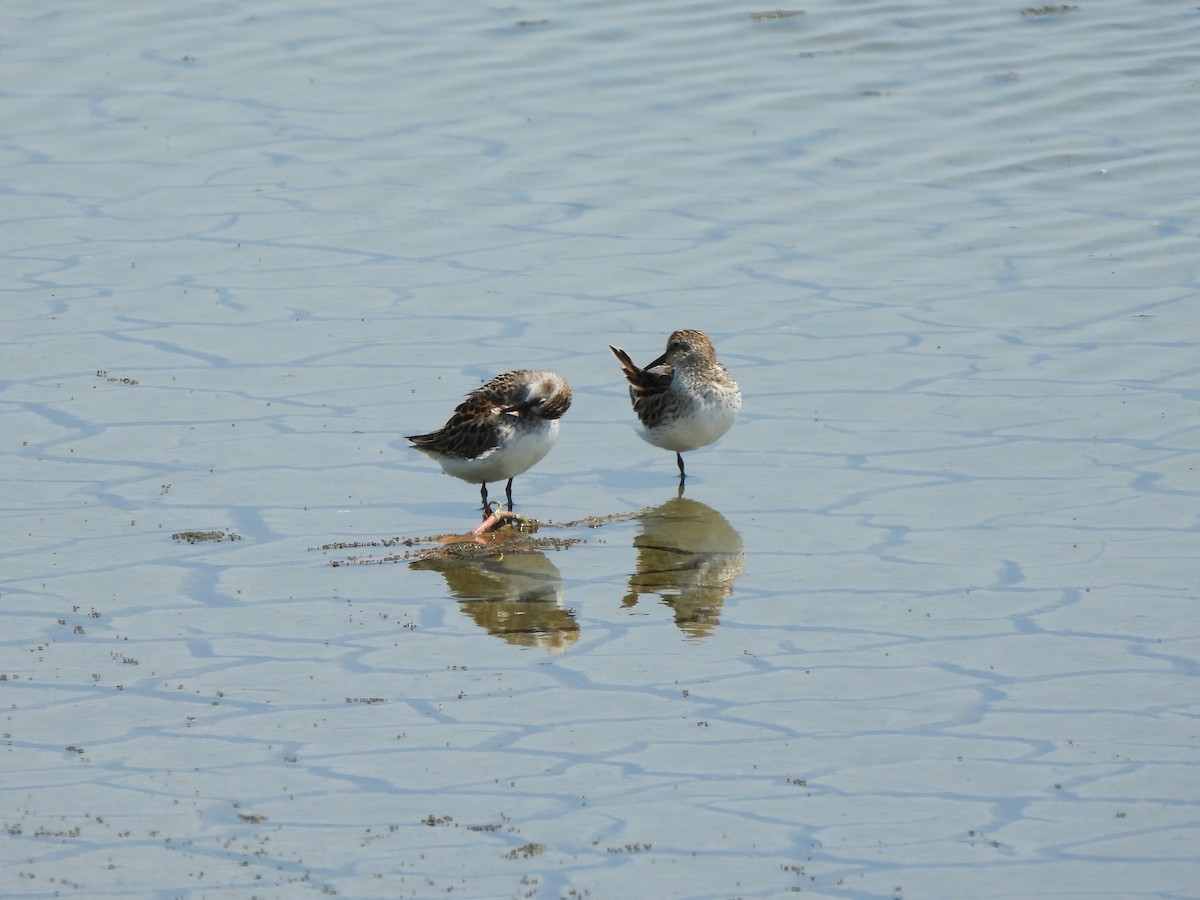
(923, 624)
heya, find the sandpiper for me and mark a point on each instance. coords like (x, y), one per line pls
(502, 429)
(684, 399)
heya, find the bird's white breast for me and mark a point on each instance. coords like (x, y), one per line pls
(521, 450)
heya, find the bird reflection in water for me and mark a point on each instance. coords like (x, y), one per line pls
(690, 556)
(515, 596)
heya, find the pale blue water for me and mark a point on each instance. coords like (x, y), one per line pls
(925, 624)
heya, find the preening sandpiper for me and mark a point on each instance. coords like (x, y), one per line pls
(685, 399)
(502, 429)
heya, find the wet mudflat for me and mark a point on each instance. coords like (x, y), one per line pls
(922, 624)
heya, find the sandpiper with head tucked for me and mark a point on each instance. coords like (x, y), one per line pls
(685, 399)
(502, 429)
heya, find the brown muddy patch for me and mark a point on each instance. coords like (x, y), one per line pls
(501, 533)
(200, 537)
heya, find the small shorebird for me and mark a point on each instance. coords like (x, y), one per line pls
(502, 429)
(684, 399)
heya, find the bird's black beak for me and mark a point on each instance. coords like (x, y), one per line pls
(658, 362)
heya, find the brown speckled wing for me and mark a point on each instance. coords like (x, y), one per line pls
(499, 392)
(472, 430)
(648, 388)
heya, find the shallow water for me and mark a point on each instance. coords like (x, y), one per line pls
(923, 623)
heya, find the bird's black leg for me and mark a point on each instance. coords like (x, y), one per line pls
(483, 496)
(508, 493)
(682, 474)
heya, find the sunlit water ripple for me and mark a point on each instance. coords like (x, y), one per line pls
(924, 623)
